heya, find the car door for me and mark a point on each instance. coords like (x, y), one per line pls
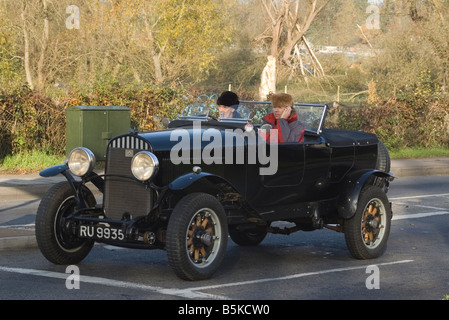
(290, 166)
(281, 186)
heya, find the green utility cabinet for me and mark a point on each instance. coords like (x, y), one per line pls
(93, 126)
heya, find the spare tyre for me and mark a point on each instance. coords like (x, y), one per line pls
(383, 164)
(383, 158)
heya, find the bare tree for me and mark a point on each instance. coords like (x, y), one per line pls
(156, 50)
(26, 40)
(287, 23)
(44, 44)
(30, 14)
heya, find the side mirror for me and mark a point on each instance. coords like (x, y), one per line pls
(165, 122)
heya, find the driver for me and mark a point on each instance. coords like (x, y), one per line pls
(228, 102)
(284, 119)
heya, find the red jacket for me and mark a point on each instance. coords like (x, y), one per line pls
(290, 130)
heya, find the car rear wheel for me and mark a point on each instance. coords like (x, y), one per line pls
(247, 237)
(366, 233)
(197, 236)
(56, 242)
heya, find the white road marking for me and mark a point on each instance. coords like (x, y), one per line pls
(189, 293)
(429, 207)
(440, 211)
(18, 226)
(193, 293)
(184, 293)
(421, 196)
(295, 276)
(418, 215)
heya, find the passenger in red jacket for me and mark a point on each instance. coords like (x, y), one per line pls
(284, 119)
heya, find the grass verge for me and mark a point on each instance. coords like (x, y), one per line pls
(415, 153)
(28, 162)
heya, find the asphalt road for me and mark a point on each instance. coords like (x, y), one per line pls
(302, 266)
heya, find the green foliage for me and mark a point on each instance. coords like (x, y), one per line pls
(148, 104)
(397, 123)
(143, 54)
(240, 67)
(10, 65)
(30, 120)
(412, 64)
(193, 30)
(426, 89)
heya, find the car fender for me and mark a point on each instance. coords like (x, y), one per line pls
(59, 169)
(202, 181)
(77, 186)
(353, 185)
(218, 187)
(186, 180)
(53, 170)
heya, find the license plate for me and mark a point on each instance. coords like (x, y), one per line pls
(101, 233)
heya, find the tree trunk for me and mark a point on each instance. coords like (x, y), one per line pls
(314, 58)
(155, 55)
(286, 31)
(26, 40)
(41, 63)
(298, 32)
(268, 79)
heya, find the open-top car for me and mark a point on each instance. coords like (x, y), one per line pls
(189, 187)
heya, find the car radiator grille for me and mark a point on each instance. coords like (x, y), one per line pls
(122, 194)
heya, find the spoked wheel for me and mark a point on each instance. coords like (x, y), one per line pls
(367, 232)
(197, 236)
(372, 228)
(200, 237)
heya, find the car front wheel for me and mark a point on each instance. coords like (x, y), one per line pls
(197, 236)
(55, 240)
(366, 233)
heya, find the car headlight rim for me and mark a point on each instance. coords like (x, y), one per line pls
(144, 166)
(81, 161)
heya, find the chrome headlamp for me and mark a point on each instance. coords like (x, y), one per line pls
(81, 161)
(144, 165)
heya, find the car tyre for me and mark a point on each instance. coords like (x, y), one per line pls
(367, 232)
(56, 243)
(247, 237)
(197, 235)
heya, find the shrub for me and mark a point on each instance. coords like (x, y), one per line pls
(397, 123)
(30, 120)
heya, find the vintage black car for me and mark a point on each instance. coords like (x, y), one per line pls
(186, 188)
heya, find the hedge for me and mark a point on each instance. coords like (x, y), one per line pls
(30, 120)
